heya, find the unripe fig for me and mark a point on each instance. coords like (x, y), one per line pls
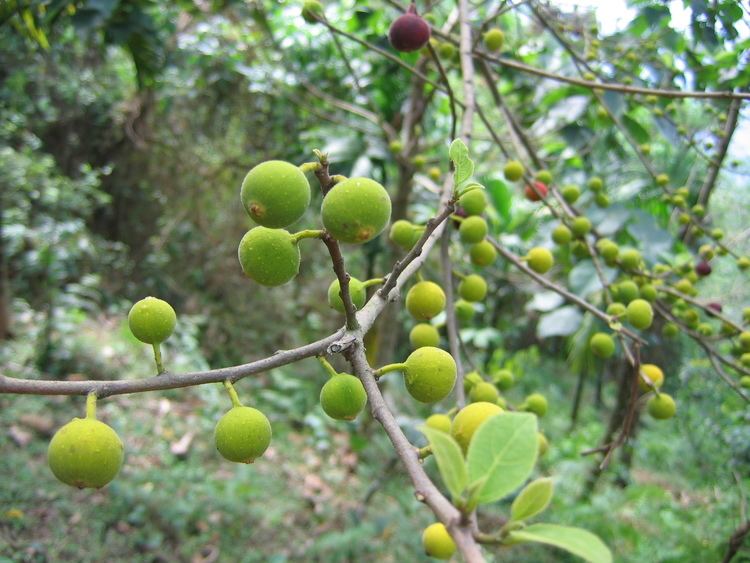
(423, 334)
(685, 286)
(242, 434)
(670, 330)
(343, 397)
(705, 329)
(744, 340)
(706, 251)
(312, 10)
(434, 173)
(430, 374)
(440, 422)
(608, 250)
(409, 32)
(425, 300)
(630, 259)
(648, 292)
(571, 193)
(356, 210)
(616, 309)
(437, 542)
(596, 184)
(645, 149)
(269, 256)
(662, 179)
(504, 379)
(661, 406)
(404, 234)
(602, 345)
(513, 171)
(703, 268)
(745, 359)
(579, 249)
(275, 194)
(473, 202)
(654, 374)
(743, 262)
(537, 193)
(493, 39)
(471, 379)
(544, 176)
(602, 200)
(396, 146)
(580, 226)
(536, 403)
(464, 310)
(152, 320)
(561, 235)
(483, 254)
(472, 288)
(446, 50)
(419, 161)
(469, 418)
(85, 453)
(357, 292)
(627, 291)
(640, 314)
(542, 444)
(540, 260)
(484, 391)
(473, 229)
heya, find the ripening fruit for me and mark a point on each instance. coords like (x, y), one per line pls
(640, 314)
(434, 173)
(661, 406)
(745, 381)
(357, 292)
(703, 268)
(404, 234)
(312, 10)
(471, 379)
(627, 291)
(446, 50)
(269, 256)
(425, 300)
(654, 373)
(744, 340)
(430, 374)
(648, 292)
(537, 194)
(483, 254)
(616, 309)
(608, 250)
(540, 260)
(513, 171)
(440, 422)
(472, 288)
(395, 146)
(662, 179)
(493, 39)
(504, 379)
(242, 434)
(630, 259)
(356, 210)
(85, 453)
(571, 193)
(464, 310)
(275, 194)
(437, 542)
(580, 226)
(596, 184)
(561, 235)
(423, 334)
(484, 391)
(409, 32)
(743, 262)
(152, 320)
(469, 419)
(343, 397)
(536, 403)
(544, 176)
(473, 229)
(602, 345)
(473, 202)
(670, 330)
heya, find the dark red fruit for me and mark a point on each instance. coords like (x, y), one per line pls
(715, 307)
(409, 32)
(703, 268)
(459, 212)
(532, 195)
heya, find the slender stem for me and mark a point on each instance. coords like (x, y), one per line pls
(380, 372)
(310, 166)
(157, 358)
(424, 452)
(328, 367)
(91, 406)
(308, 233)
(232, 393)
(373, 281)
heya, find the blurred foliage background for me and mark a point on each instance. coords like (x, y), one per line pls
(125, 131)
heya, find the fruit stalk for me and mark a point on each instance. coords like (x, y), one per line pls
(308, 233)
(91, 406)
(157, 358)
(327, 366)
(380, 372)
(232, 393)
(373, 281)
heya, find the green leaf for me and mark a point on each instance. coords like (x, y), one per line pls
(450, 460)
(577, 541)
(502, 451)
(501, 198)
(532, 500)
(459, 154)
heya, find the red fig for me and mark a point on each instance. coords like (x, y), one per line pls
(714, 306)
(409, 32)
(532, 195)
(703, 268)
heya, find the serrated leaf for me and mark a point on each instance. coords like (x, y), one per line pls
(502, 451)
(450, 460)
(532, 500)
(459, 154)
(577, 541)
